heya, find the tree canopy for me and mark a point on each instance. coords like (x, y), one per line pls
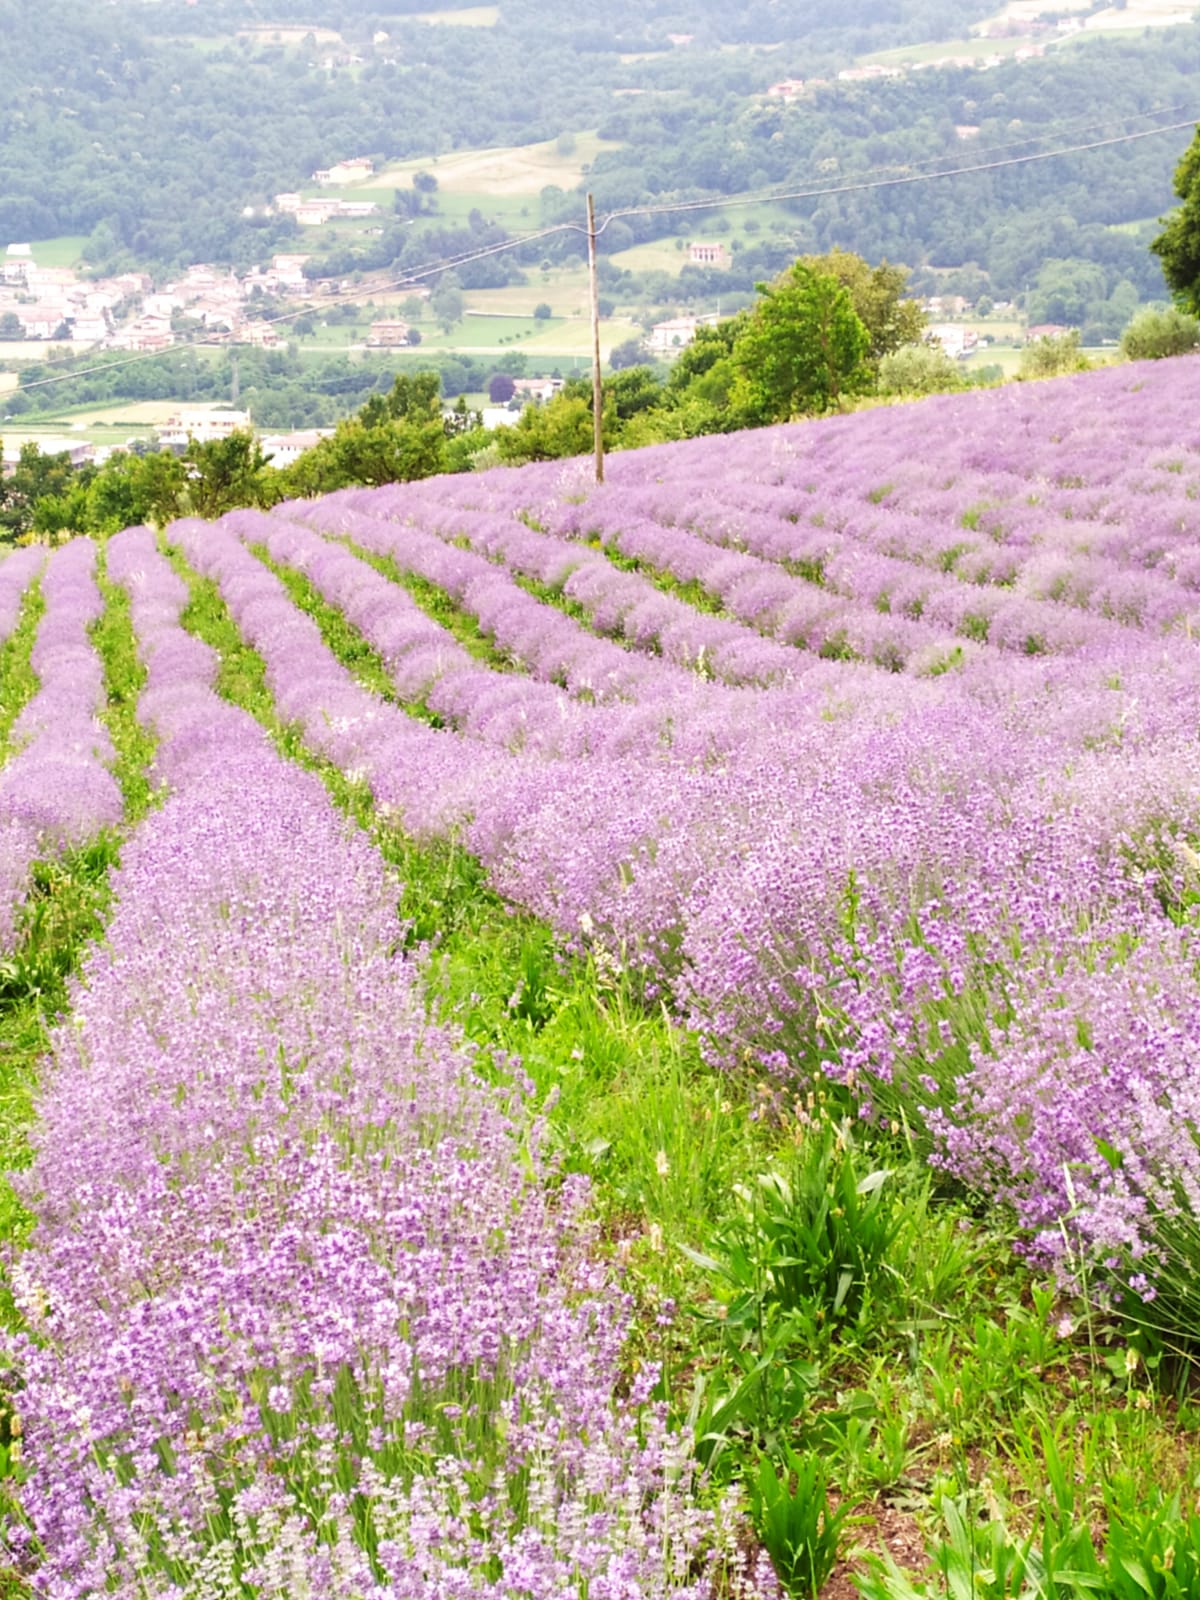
(1178, 245)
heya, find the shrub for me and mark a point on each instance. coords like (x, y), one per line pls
(1154, 334)
(1052, 357)
(918, 369)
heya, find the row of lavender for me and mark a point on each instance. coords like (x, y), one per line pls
(302, 1316)
(58, 788)
(971, 891)
(887, 537)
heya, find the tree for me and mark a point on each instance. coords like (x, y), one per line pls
(425, 182)
(1066, 292)
(918, 369)
(10, 326)
(447, 302)
(626, 354)
(542, 312)
(1154, 334)
(878, 295)
(801, 349)
(562, 427)
(224, 473)
(631, 391)
(414, 396)
(37, 477)
(1178, 245)
(501, 389)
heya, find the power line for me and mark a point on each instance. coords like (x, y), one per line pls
(721, 202)
(901, 179)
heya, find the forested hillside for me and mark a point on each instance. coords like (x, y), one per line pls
(150, 129)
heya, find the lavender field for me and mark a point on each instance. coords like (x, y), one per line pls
(859, 758)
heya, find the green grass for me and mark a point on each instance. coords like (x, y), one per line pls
(467, 17)
(64, 251)
(18, 681)
(438, 605)
(502, 170)
(125, 676)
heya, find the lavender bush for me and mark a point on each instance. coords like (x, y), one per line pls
(920, 885)
(57, 789)
(305, 1314)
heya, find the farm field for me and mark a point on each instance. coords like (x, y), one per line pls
(468, 17)
(64, 251)
(632, 1040)
(505, 170)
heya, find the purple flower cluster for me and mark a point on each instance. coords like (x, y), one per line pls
(621, 604)
(17, 571)
(923, 880)
(57, 788)
(304, 1315)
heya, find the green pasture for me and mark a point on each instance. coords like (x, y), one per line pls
(564, 289)
(494, 336)
(64, 251)
(965, 49)
(505, 170)
(468, 17)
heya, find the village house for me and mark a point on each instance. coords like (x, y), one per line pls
(147, 332)
(537, 388)
(957, 341)
(78, 451)
(284, 449)
(348, 171)
(202, 423)
(704, 253)
(786, 89)
(666, 337)
(90, 330)
(315, 213)
(388, 331)
(288, 271)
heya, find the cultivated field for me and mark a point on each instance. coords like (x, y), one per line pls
(505, 171)
(468, 17)
(625, 1040)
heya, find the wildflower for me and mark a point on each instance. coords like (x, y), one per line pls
(662, 1164)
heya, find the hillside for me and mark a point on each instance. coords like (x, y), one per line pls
(618, 1008)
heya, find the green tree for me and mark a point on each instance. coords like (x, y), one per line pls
(561, 427)
(918, 369)
(802, 349)
(10, 326)
(628, 353)
(631, 391)
(395, 437)
(447, 302)
(125, 491)
(879, 297)
(37, 477)
(1066, 292)
(224, 473)
(1178, 245)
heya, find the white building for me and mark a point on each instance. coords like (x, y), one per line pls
(202, 423)
(954, 339)
(286, 448)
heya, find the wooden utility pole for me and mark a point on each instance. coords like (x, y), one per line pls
(597, 384)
